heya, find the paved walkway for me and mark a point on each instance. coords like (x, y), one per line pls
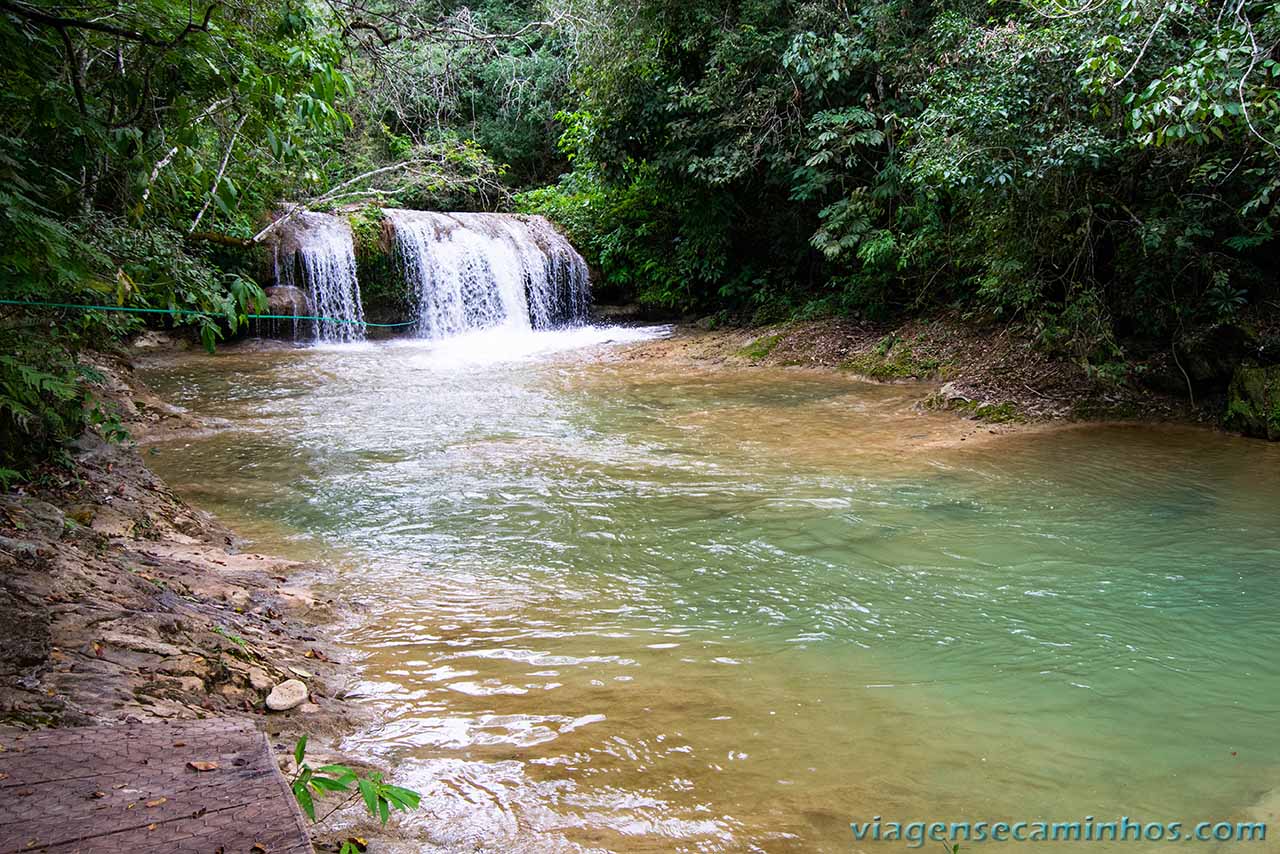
(138, 788)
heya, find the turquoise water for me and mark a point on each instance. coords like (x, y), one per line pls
(614, 605)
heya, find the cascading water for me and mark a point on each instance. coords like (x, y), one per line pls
(474, 271)
(321, 249)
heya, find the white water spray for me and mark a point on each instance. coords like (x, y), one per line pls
(326, 259)
(476, 271)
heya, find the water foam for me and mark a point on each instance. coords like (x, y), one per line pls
(473, 271)
(326, 259)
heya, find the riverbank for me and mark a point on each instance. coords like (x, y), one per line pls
(994, 375)
(121, 603)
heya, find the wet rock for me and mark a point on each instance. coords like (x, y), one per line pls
(154, 340)
(34, 518)
(951, 393)
(287, 695)
(1253, 402)
(112, 523)
(297, 598)
(288, 300)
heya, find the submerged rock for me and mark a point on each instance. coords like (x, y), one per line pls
(289, 694)
(1253, 402)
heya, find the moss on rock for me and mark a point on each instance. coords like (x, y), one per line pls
(948, 400)
(893, 359)
(1253, 402)
(761, 347)
(383, 288)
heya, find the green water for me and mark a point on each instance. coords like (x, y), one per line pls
(607, 605)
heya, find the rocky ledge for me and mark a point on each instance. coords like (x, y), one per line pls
(119, 602)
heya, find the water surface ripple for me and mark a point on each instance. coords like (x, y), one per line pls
(616, 606)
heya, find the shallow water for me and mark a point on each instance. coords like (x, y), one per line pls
(639, 607)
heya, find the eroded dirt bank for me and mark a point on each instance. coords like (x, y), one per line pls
(120, 602)
(994, 375)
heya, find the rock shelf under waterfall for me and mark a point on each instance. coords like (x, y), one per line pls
(477, 270)
(317, 252)
(460, 272)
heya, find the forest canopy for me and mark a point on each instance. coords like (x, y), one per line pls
(1102, 171)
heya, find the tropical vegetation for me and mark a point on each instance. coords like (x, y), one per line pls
(1102, 172)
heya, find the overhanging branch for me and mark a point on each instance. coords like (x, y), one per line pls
(62, 24)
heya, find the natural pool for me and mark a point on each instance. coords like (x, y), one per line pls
(634, 606)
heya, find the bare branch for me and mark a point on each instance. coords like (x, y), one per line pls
(22, 10)
(1143, 52)
(155, 173)
(222, 168)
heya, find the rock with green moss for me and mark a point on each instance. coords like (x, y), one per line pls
(383, 288)
(950, 398)
(1253, 402)
(761, 347)
(893, 359)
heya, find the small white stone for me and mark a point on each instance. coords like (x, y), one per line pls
(289, 694)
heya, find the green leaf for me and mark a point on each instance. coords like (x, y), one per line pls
(300, 750)
(405, 799)
(329, 784)
(369, 792)
(340, 772)
(304, 799)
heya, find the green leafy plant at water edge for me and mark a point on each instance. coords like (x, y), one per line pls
(379, 798)
(46, 400)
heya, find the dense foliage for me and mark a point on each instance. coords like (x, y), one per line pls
(1099, 169)
(145, 145)
(1104, 172)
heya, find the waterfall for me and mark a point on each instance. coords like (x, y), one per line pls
(323, 252)
(476, 270)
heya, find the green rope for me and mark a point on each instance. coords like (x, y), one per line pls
(190, 313)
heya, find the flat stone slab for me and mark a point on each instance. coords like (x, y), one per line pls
(137, 788)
